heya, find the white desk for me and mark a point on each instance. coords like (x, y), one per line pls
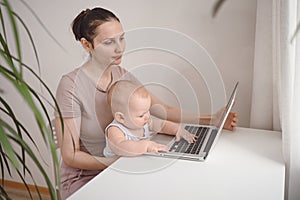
(245, 164)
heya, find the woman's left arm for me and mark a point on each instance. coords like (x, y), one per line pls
(175, 114)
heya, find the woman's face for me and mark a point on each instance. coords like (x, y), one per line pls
(109, 43)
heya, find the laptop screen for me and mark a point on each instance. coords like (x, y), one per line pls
(225, 110)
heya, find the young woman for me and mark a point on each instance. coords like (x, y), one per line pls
(82, 93)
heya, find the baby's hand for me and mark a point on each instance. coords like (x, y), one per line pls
(156, 148)
(182, 133)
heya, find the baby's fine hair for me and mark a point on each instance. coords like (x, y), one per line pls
(121, 92)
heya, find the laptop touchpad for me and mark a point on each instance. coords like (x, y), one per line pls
(162, 138)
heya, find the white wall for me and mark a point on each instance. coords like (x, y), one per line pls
(228, 39)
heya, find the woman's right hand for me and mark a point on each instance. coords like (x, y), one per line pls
(231, 120)
(154, 147)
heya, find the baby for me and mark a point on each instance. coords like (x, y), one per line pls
(129, 133)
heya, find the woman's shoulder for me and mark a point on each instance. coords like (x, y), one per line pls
(121, 73)
(71, 74)
(69, 79)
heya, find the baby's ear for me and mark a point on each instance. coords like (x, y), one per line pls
(119, 117)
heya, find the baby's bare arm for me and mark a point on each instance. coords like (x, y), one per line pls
(122, 147)
(171, 128)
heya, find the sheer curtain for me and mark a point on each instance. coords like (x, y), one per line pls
(264, 110)
(279, 94)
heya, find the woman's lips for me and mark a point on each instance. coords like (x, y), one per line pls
(117, 57)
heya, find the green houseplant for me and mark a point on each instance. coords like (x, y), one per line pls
(14, 149)
(217, 6)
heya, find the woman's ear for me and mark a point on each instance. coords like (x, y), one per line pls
(86, 45)
(119, 117)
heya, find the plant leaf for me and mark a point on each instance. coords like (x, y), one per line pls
(3, 159)
(296, 32)
(3, 194)
(26, 91)
(13, 74)
(15, 31)
(217, 7)
(7, 146)
(31, 41)
(15, 137)
(44, 27)
(56, 106)
(10, 114)
(5, 53)
(2, 24)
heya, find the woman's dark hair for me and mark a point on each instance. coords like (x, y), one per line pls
(85, 24)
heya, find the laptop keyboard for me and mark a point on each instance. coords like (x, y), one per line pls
(183, 146)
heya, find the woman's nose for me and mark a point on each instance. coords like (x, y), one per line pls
(119, 47)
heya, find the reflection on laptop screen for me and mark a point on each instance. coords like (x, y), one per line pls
(219, 124)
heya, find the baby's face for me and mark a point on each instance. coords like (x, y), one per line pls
(138, 113)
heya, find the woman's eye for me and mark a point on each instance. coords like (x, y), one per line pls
(108, 42)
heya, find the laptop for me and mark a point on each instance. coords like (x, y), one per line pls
(207, 137)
